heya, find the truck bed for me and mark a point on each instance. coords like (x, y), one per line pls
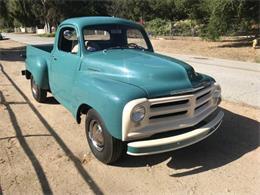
(39, 51)
(37, 61)
(45, 47)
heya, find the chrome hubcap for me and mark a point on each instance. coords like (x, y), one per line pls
(96, 135)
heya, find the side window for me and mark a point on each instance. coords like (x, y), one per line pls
(135, 37)
(68, 40)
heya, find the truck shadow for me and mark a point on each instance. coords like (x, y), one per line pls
(51, 100)
(236, 136)
(4, 38)
(26, 148)
(12, 54)
(36, 164)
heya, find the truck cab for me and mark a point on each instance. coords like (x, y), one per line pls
(133, 98)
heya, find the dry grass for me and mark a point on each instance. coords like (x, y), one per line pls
(228, 48)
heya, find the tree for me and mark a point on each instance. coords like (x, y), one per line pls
(225, 16)
(5, 20)
(218, 17)
(134, 9)
(21, 12)
(249, 16)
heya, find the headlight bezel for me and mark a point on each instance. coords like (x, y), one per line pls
(138, 113)
(216, 95)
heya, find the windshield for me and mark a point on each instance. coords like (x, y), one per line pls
(104, 37)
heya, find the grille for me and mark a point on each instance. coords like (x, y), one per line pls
(180, 107)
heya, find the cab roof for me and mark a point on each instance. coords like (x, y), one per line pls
(81, 22)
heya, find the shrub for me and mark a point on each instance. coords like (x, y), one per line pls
(158, 27)
(186, 28)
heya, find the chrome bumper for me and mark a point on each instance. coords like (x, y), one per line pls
(146, 147)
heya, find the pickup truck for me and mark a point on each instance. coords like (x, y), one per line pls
(135, 101)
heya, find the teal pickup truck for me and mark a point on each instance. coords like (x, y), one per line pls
(135, 100)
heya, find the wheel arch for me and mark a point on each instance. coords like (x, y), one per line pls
(105, 97)
(82, 109)
(27, 74)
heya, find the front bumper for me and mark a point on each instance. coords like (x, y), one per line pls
(154, 146)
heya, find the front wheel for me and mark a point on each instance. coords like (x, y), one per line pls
(105, 148)
(39, 94)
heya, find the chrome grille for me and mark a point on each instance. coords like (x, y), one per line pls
(180, 107)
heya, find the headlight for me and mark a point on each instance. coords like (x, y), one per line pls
(138, 113)
(217, 94)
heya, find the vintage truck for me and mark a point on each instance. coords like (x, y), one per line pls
(135, 100)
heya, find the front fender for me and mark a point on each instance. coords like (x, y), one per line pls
(107, 97)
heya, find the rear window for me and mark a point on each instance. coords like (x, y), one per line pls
(96, 35)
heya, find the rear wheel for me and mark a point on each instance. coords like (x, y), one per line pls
(105, 148)
(39, 94)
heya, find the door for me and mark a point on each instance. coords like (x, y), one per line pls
(65, 64)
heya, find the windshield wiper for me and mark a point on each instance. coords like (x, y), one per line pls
(135, 46)
(128, 46)
(117, 47)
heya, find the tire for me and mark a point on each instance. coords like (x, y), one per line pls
(111, 148)
(40, 95)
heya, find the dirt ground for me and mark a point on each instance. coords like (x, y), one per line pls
(43, 150)
(228, 48)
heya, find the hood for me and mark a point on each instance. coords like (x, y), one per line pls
(157, 74)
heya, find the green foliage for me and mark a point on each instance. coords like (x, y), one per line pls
(21, 12)
(225, 17)
(219, 18)
(186, 28)
(208, 18)
(159, 27)
(6, 30)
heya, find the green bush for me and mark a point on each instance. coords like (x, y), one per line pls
(7, 30)
(158, 27)
(186, 28)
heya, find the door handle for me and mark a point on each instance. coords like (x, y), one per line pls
(54, 58)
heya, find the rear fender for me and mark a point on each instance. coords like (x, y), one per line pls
(38, 68)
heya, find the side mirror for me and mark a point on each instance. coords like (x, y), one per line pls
(68, 34)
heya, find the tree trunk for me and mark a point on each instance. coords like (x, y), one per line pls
(47, 27)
